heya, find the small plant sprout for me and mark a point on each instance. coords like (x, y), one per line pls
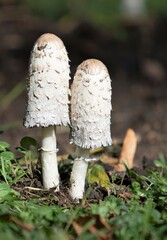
(90, 117)
(48, 86)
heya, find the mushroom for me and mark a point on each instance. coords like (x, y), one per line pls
(133, 9)
(90, 117)
(48, 86)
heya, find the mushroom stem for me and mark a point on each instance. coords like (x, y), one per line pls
(78, 173)
(50, 172)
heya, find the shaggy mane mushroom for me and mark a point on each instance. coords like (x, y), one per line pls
(90, 117)
(48, 86)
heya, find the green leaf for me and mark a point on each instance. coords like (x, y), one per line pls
(158, 163)
(21, 150)
(97, 174)
(136, 186)
(6, 191)
(26, 142)
(161, 162)
(7, 156)
(4, 145)
(111, 204)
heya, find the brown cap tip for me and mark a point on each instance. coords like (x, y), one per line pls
(49, 37)
(92, 66)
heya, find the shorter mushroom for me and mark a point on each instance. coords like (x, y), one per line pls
(90, 117)
(48, 86)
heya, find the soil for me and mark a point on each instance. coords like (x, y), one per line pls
(31, 188)
(136, 63)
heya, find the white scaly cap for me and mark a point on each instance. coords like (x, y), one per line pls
(91, 105)
(48, 83)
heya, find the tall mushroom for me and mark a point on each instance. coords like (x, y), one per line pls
(48, 86)
(90, 117)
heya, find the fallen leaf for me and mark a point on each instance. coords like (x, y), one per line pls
(63, 157)
(128, 151)
(109, 160)
(23, 225)
(95, 228)
(97, 174)
(126, 196)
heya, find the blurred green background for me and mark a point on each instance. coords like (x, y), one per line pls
(129, 36)
(99, 12)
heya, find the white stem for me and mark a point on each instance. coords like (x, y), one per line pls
(50, 172)
(78, 173)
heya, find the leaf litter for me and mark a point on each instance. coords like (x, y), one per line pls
(112, 197)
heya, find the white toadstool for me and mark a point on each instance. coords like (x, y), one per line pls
(90, 117)
(48, 86)
(133, 9)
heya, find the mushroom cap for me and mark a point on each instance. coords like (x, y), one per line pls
(48, 83)
(91, 105)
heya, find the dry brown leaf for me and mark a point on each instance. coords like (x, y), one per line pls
(63, 157)
(109, 160)
(128, 151)
(99, 224)
(23, 225)
(126, 196)
(77, 227)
